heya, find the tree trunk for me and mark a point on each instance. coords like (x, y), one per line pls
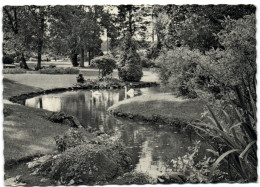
(81, 57)
(130, 22)
(152, 26)
(23, 62)
(89, 58)
(40, 41)
(39, 55)
(107, 42)
(74, 59)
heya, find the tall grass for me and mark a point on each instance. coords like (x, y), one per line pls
(235, 134)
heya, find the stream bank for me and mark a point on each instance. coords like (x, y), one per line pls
(29, 123)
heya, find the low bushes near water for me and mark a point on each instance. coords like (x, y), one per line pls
(84, 161)
(102, 83)
(134, 178)
(191, 169)
(71, 138)
(14, 71)
(88, 164)
(55, 70)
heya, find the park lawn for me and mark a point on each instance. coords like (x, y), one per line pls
(12, 88)
(164, 105)
(26, 130)
(50, 81)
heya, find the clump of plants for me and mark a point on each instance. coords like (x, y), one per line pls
(71, 138)
(8, 59)
(129, 65)
(88, 163)
(105, 65)
(54, 70)
(187, 170)
(235, 142)
(134, 178)
(102, 82)
(14, 71)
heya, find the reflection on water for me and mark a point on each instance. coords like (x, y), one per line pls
(152, 147)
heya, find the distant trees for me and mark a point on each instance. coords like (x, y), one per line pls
(74, 30)
(194, 26)
(16, 35)
(24, 30)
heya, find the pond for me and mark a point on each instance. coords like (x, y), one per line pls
(152, 147)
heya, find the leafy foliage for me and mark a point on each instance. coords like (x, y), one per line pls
(7, 59)
(105, 64)
(129, 66)
(196, 172)
(89, 163)
(236, 142)
(178, 69)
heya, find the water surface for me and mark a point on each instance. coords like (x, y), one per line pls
(152, 147)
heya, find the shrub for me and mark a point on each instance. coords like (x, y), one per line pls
(14, 71)
(59, 70)
(105, 65)
(129, 66)
(134, 178)
(88, 164)
(192, 169)
(146, 63)
(8, 59)
(178, 69)
(71, 138)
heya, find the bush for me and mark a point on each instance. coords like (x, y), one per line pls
(129, 66)
(59, 70)
(178, 70)
(105, 64)
(8, 59)
(146, 63)
(71, 138)
(88, 164)
(14, 71)
(134, 178)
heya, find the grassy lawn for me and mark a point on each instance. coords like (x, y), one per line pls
(162, 104)
(12, 88)
(26, 130)
(49, 81)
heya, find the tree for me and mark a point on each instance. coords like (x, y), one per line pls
(37, 16)
(16, 36)
(76, 29)
(105, 65)
(129, 66)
